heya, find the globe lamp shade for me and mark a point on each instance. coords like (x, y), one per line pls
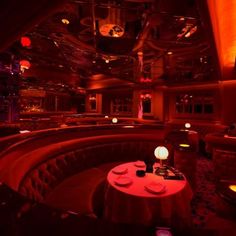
(161, 153)
(187, 125)
(114, 120)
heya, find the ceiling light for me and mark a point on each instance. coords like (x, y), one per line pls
(24, 65)
(107, 61)
(187, 35)
(65, 21)
(113, 25)
(25, 41)
(169, 53)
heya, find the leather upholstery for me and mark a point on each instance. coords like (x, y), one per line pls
(40, 171)
(224, 164)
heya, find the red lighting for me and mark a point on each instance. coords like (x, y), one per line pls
(223, 17)
(145, 80)
(24, 64)
(25, 41)
(141, 79)
(145, 96)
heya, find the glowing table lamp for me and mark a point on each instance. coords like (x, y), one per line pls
(187, 125)
(161, 153)
(114, 120)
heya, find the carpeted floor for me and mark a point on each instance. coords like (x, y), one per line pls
(207, 213)
(204, 200)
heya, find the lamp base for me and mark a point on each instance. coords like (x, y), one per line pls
(161, 171)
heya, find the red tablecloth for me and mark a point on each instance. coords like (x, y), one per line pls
(132, 203)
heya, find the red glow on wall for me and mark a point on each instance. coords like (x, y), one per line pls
(144, 96)
(25, 41)
(223, 18)
(145, 80)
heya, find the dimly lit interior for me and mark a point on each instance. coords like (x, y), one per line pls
(117, 117)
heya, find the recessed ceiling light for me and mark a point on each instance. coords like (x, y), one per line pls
(169, 53)
(65, 21)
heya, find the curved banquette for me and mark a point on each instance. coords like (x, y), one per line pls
(16, 145)
(222, 147)
(37, 173)
(220, 141)
(59, 134)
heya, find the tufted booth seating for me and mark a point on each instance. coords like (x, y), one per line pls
(38, 173)
(220, 141)
(223, 150)
(12, 147)
(203, 129)
(224, 164)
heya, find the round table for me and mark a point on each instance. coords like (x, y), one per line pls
(133, 204)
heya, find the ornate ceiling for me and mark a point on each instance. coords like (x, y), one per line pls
(110, 43)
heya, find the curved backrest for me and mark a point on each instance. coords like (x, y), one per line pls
(37, 139)
(38, 172)
(224, 164)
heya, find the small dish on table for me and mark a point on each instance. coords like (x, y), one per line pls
(155, 187)
(123, 181)
(139, 164)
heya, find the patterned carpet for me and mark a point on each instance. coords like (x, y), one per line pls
(204, 200)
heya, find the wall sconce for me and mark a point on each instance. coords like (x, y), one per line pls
(161, 153)
(145, 96)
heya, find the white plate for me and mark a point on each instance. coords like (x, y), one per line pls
(123, 181)
(139, 164)
(119, 170)
(155, 187)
